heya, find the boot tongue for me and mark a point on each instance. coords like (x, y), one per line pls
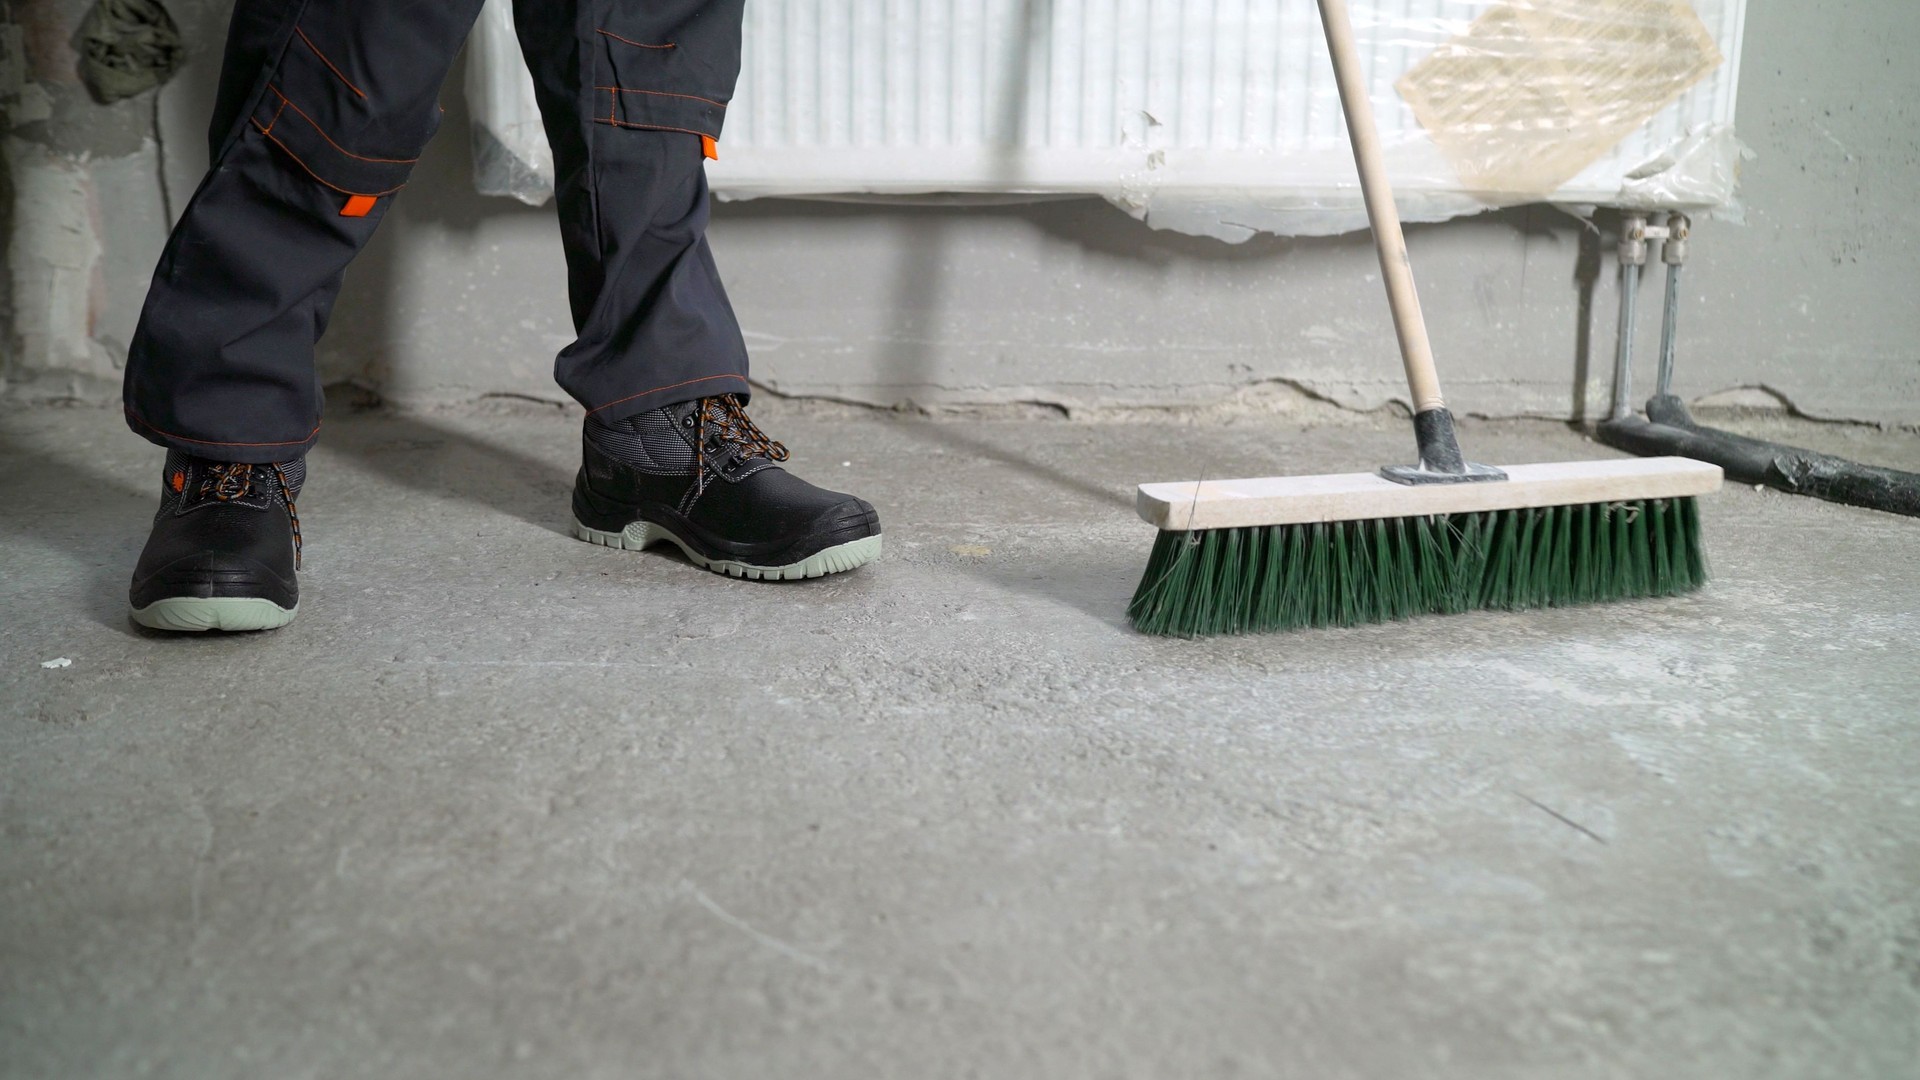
(688, 417)
(295, 472)
(184, 474)
(681, 410)
(734, 436)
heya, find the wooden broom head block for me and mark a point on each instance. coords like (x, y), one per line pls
(1294, 500)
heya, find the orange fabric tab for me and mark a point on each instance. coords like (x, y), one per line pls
(358, 206)
(710, 147)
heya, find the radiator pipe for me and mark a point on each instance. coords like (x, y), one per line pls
(1669, 429)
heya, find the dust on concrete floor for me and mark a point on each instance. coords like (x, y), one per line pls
(503, 803)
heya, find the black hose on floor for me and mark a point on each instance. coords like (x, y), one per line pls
(1670, 430)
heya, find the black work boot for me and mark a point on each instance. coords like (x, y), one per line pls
(224, 549)
(701, 476)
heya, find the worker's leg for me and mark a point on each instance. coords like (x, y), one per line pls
(323, 107)
(632, 91)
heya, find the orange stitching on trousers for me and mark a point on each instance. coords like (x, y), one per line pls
(302, 163)
(329, 63)
(286, 101)
(635, 44)
(662, 93)
(650, 127)
(138, 419)
(276, 112)
(658, 389)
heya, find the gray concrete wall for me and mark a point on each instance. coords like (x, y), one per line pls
(1071, 303)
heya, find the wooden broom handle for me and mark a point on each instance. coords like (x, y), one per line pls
(1416, 352)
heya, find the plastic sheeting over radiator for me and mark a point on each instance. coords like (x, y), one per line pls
(1215, 117)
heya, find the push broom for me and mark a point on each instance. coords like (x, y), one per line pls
(1439, 537)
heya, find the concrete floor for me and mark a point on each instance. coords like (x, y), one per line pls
(502, 803)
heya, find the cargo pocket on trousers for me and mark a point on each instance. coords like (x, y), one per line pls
(320, 119)
(667, 74)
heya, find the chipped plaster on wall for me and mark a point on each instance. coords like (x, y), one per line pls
(85, 232)
(85, 213)
(53, 263)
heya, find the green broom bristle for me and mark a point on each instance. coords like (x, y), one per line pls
(1285, 577)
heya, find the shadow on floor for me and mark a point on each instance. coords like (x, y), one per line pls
(424, 454)
(96, 517)
(965, 442)
(1098, 586)
(1090, 581)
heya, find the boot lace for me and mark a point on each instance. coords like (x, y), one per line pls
(227, 481)
(721, 423)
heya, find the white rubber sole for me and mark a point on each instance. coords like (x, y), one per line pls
(644, 534)
(230, 613)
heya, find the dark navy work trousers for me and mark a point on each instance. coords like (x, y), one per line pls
(324, 106)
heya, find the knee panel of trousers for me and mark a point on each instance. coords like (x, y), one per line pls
(667, 66)
(349, 114)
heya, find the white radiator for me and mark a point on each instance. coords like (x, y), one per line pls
(1209, 116)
